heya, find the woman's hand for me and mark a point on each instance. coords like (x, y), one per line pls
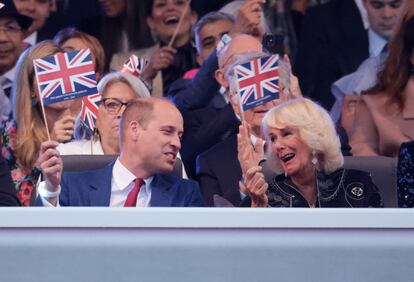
(256, 186)
(63, 129)
(248, 155)
(161, 58)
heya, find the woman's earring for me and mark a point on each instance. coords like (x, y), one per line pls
(314, 158)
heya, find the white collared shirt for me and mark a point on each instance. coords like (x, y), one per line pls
(123, 182)
(31, 39)
(376, 43)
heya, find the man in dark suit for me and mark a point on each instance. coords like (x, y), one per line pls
(150, 132)
(215, 120)
(218, 169)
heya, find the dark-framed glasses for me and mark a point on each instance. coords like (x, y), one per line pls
(113, 105)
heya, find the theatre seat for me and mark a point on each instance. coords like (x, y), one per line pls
(384, 174)
(90, 162)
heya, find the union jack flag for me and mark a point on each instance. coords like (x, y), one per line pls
(134, 65)
(65, 76)
(89, 111)
(258, 81)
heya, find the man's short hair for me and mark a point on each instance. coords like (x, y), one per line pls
(140, 110)
(211, 17)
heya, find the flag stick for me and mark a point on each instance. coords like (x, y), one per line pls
(44, 117)
(179, 24)
(42, 105)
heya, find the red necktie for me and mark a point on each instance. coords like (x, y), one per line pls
(131, 200)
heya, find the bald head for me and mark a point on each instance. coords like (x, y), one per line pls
(240, 44)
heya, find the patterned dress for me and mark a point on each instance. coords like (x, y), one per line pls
(405, 176)
(25, 180)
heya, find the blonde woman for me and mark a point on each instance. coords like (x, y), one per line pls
(302, 140)
(25, 130)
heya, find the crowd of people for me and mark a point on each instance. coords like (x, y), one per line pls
(347, 93)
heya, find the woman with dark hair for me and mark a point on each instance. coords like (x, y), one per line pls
(166, 63)
(385, 113)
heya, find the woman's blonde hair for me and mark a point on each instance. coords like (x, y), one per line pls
(315, 128)
(31, 130)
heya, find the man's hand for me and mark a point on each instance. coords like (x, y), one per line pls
(51, 164)
(248, 19)
(161, 58)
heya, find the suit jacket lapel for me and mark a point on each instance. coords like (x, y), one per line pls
(100, 186)
(160, 195)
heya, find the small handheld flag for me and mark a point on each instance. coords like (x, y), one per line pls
(65, 76)
(134, 65)
(257, 81)
(89, 111)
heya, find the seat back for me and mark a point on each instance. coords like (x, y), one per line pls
(91, 162)
(383, 172)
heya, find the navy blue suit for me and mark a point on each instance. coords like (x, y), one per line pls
(93, 188)
(208, 120)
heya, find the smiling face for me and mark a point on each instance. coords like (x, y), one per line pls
(294, 155)
(165, 17)
(159, 139)
(383, 15)
(108, 122)
(10, 43)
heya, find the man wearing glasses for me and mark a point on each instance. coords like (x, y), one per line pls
(12, 25)
(150, 133)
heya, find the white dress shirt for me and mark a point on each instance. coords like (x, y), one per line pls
(376, 43)
(123, 182)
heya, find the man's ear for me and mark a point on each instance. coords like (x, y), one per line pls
(221, 78)
(134, 130)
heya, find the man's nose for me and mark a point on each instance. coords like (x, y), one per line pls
(388, 12)
(176, 142)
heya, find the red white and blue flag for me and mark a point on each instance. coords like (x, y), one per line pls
(134, 65)
(65, 76)
(89, 111)
(258, 81)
